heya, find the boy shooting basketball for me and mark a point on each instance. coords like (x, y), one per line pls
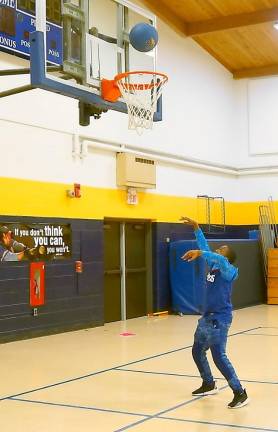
(213, 327)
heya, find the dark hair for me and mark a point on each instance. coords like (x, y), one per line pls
(231, 255)
(3, 230)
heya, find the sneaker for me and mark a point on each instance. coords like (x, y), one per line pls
(206, 389)
(239, 400)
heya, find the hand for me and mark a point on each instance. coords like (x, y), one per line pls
(191, 255)
(32, 251)
(187, 221)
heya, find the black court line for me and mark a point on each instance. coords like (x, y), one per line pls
(106, 410)
(261, 327)
(112, 368)
(192, 376)
(147, 416)
(220, 424)
(268, 327)
(164, 412)
(179, 349)
(261, 334)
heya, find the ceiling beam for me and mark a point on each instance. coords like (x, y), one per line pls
(256, 72)
(232, 21)
(166, 15)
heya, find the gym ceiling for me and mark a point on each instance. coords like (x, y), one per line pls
(240, 34)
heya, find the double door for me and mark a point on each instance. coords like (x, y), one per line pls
(127, 270)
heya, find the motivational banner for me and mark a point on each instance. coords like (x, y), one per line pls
(34, 242)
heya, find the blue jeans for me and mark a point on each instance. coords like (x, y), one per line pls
(212, 334)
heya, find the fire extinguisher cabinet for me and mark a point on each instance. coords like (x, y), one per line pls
(37, 284)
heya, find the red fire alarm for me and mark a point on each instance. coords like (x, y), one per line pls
(77, 190)
(79, 266)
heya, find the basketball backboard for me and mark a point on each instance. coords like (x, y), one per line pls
(93, 44)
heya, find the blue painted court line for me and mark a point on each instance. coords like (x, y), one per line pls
(262, 429)
(112, 368)
(78, 407)
(164, 412)
(191, 376)
(94, 373)
(180, 349)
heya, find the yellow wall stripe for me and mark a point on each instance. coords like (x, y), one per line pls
(33, 198)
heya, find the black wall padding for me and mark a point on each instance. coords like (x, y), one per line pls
(249, 288)
(72, 300)
(162, 232)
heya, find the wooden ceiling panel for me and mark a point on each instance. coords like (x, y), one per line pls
(250, 47)
(238, 33)
(200, 10)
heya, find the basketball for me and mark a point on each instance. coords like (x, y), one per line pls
(143, 37)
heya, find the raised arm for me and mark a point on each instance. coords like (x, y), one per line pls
(201, 240)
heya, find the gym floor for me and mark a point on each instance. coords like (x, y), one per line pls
(98, 380)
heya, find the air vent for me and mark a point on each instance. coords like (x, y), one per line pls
(135, 171)
(144, 161)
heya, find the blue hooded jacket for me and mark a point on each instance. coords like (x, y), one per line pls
(219, 282)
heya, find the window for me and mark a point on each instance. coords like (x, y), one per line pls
(7, 21)
(53, 9)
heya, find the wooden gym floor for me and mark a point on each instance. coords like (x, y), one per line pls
(96, 380)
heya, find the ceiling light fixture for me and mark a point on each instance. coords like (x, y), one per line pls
(275, 25)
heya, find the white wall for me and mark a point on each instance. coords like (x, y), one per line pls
(259, 188)
(199, 107)
(190, 182)
(257, 119)
(205, 117)
(38, 154)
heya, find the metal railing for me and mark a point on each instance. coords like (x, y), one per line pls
(215, 213)
(268, 230)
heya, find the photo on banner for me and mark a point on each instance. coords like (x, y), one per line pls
(35, 242)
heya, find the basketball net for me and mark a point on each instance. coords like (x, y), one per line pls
(141, 91)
